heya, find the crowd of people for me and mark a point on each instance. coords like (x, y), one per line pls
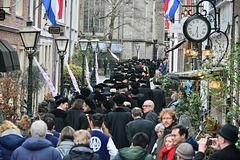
(122, 119)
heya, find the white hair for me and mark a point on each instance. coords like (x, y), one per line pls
(38, 128)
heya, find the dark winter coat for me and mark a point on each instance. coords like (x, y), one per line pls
(9, 142)
(81, 152)
(152, 116)
(72, 118)
(227, 153)
(142, 125)
(158, 99)
(60, 119)
(36, 148)
(146, 91)
(117, 121)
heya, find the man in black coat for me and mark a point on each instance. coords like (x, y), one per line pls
(141, 125)
(60, 113)
(117, 121)
(158, 97)
(225, 144)
(145, 90)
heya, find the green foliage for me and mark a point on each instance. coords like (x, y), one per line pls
(169, 85)
(134, 58)
(38, 80)
(77, 72)
(43, 107)
(190, 106)
(228, 77)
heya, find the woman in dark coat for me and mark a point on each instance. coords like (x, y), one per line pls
(88, 109)
(72, 118)
(10, 139)
(81, 150)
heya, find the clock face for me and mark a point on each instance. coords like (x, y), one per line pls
(196, 28)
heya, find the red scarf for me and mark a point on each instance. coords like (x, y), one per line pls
(169, 152)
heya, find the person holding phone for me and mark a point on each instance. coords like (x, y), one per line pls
(224, 144)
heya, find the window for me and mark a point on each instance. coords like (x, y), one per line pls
(91, 8)
(19, 8)
(6, 3)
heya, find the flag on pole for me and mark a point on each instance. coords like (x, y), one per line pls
(75, 84)
(48, 80)
(87, 75)
(170, 7)
(54, 9)
(114, 55)
(167, 21)
(96, 69)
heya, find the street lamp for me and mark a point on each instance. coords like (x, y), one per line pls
(94, 43)
(108, 43)
(83, 45)
(29, 36)
(137, 48)
(61, 43)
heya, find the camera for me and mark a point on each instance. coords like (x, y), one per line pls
(209, 142)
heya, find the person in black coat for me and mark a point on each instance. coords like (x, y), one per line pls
(158, 98)
(117, 120)
(74, 113)
(225, 144)
(60, 113)
(141, 125)
(145, 90)
(88, 108)
(137, 98)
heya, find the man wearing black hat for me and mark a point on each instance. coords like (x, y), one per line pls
(158, 97)
(225, 144)
(97, 89)
(60, 113)
(117, 120)
(145, 90)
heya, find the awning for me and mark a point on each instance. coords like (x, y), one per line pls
(8, 57)
(176, 46)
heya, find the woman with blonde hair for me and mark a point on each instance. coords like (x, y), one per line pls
(10, 139)
(81, 150)
(65, 142)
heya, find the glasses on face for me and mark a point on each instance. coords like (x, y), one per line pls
(147, 105)
(167, 118)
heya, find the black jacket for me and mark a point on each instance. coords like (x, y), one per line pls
(117, 121)
(60, 119)
(228, 153)
(142, 125)
(146, 91)
(81, 152)
(158, 99)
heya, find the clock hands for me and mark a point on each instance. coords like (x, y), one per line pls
(197, 32)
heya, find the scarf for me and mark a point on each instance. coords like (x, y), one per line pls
(168, 152)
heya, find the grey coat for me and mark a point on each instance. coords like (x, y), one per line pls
(65, 147)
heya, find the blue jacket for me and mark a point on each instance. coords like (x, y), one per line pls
(36, 148)
(9, 143)
(191, 141)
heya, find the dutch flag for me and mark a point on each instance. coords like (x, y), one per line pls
(170, 7)
(54, 9)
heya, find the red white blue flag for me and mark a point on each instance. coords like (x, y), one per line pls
(96, 69)
(170, 7)
(54, 9)
(87, 75)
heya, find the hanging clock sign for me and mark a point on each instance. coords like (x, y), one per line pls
(196, 28)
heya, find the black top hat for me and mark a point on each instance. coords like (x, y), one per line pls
(119, 99)
(229, 132)
(61, 100)
(85, 91)
(90, 103)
